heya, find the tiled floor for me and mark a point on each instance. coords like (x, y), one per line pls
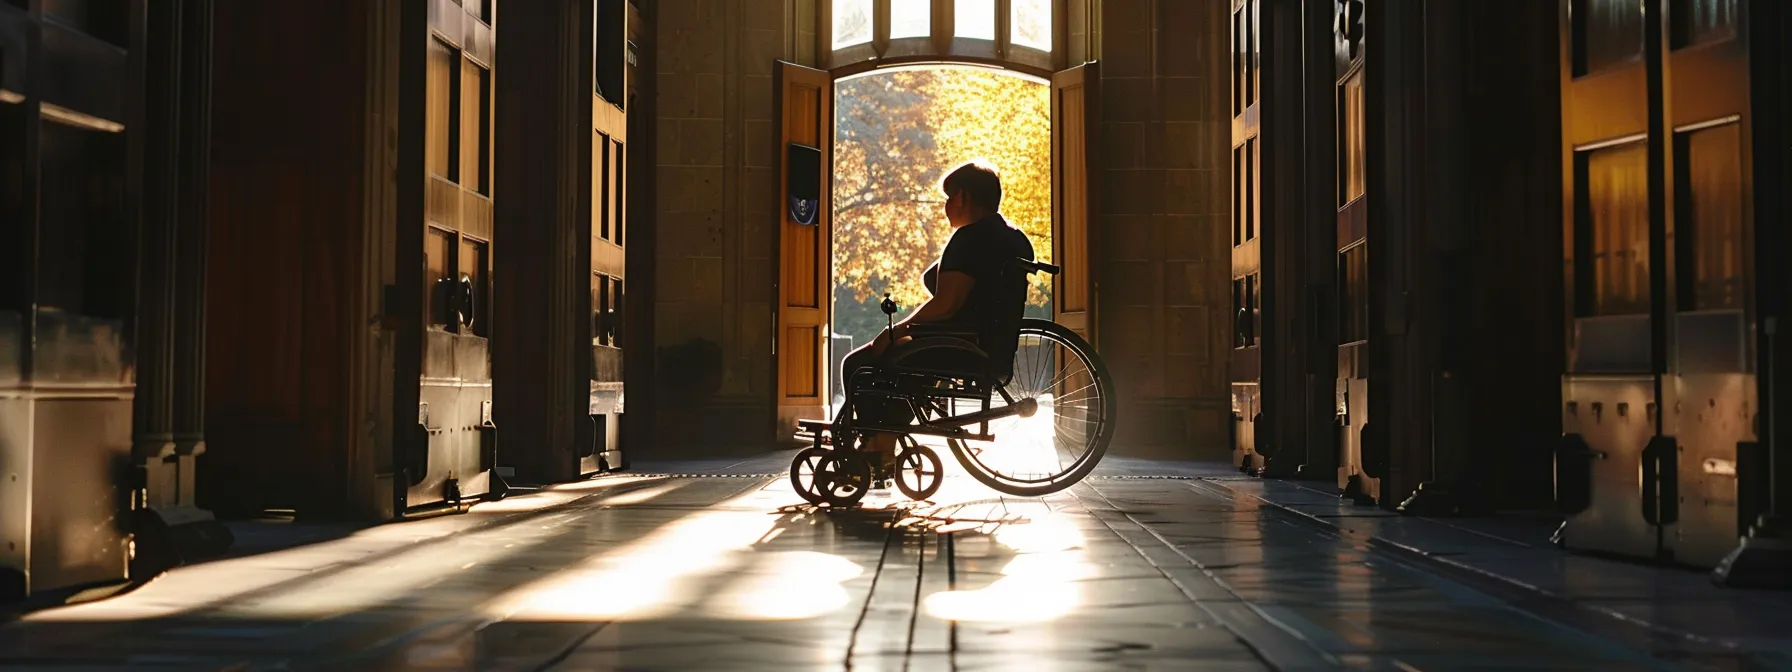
(719, 566)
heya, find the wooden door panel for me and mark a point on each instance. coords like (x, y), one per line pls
(1606, 105)
(1650, 292)
(597, 442)
(1246, 356)
(1359, 108)
(805, 103)
(1707, 116)
(1076, 124)
(455, 395)
(1606, 158)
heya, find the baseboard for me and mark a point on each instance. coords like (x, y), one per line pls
(169, 538)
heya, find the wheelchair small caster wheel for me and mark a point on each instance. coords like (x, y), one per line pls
(846, 478)
(919, 472)
(809, 475)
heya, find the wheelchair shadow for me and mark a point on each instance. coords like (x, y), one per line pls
(979, 529)
(984, 516)
(976, 561)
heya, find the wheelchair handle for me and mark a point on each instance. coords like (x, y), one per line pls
(1037, 266)
(889, 308)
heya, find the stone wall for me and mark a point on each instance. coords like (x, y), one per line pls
(717, 178)
(1164, 297)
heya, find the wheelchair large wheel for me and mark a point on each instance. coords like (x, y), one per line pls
(1069, 432)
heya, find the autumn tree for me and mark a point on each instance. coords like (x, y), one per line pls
(896, 135)
(883, 156)
(1005, 120)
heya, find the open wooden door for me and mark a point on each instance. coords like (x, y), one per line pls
(456, 438)
(1615, 237)
(1076, 124)
(1708, 129)
(805, 246)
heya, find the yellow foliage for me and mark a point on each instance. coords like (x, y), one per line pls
(897, 134)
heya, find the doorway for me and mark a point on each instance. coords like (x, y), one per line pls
(897, 133)
(803, 286)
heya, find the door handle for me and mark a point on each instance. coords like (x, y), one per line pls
(1661, 481)
(465, 297)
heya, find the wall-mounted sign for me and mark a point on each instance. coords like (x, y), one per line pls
(804, 195)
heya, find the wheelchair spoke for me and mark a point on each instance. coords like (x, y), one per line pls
(1077, 391)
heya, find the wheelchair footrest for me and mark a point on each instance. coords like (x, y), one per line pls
(817, 430)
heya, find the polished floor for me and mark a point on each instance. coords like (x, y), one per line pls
(719, 566)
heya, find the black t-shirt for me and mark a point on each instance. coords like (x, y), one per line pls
(984, 249)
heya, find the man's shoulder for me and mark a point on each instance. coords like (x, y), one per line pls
(995, 228)
(986, 242)
(1012, 239)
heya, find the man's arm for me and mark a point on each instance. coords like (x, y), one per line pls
(955, 290)
(961, 255)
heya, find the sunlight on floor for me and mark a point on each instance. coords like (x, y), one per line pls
(753, 557)
(405, 566)
(788, 585)
(559, 494)
(1038, 584)
(645, 578)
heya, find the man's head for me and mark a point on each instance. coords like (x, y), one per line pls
(973, 191)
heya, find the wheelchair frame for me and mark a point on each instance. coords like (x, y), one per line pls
(925, 389)
(912, 386)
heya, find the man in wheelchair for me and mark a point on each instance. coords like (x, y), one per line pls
(975, 295)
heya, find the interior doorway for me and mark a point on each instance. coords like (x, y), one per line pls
(803, 286)
(896, 133)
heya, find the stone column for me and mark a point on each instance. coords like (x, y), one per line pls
(640, 234)
(191, 233)
(541, 355)
(1319, 249)
(1443, 292)
(170, 409)
(1395, 440)
(1763, 558)
(1281, 432)
(152, 419)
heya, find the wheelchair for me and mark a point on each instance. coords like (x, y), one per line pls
(1038, 410)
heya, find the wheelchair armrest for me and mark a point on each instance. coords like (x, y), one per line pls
(948, 330)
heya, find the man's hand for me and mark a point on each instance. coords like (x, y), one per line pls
(897, 333)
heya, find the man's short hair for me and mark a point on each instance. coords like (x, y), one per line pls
(979, 181)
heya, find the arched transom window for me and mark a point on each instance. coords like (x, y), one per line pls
(1025, 34)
